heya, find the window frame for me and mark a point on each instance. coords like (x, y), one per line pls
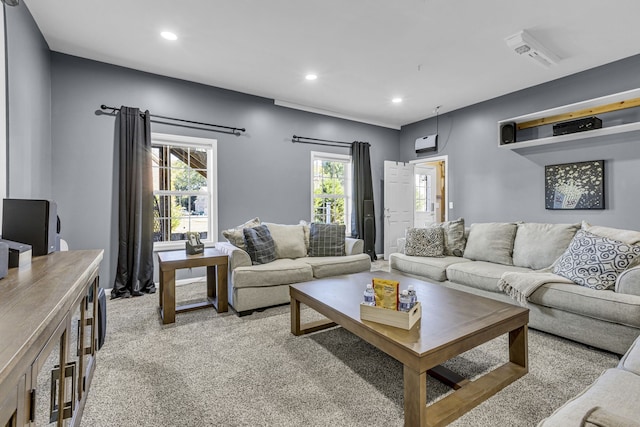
(348, 160)
(211, 147)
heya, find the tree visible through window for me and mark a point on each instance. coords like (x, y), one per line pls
(331, 184)
(182, 189)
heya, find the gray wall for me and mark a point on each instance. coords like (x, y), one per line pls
(261, 173)
(488, 183)
(28, 107)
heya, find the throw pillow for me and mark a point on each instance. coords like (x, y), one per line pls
(260, 245)
(424, 241)
(595, 261)
(491, 242)
(627, 236)
(454, 240)
(326, 239)
(235, 235)
(537, 246)
(289, 240)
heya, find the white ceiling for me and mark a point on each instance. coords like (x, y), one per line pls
(450, 53)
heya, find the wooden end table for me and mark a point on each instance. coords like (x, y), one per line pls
(170, 261)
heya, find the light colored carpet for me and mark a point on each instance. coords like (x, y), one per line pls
(222, 370)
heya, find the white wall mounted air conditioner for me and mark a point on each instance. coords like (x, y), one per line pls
(427, 143)
(524, 44)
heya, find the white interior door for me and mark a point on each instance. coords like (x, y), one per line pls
(398, 203)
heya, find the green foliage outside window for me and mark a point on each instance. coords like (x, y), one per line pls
(329, 202)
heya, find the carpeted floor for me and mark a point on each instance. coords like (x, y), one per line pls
(222, 370)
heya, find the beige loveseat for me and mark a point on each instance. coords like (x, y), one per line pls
(610, 401)
(523, 256)
(258, 286)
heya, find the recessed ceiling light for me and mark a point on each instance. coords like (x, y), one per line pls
(169, 35)
(311, 77)
(396, 100)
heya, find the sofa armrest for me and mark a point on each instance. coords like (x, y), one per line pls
(353, 246)
(237, 257)
(628, 281)
(402, 241)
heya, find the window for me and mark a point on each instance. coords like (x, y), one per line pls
(331, 188)
(424, 202)
(184, 188)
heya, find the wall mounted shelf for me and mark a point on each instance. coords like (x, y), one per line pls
(605, 104)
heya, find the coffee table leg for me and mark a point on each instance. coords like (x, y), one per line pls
(415, 397)
(518, 345)
(295, 317)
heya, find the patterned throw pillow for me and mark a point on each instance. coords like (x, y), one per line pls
(454, 240)
(260, 245)
(326, 239)
(594, 261)
(424, 241)
(235, 236)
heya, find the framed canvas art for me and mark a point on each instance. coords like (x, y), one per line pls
(574, 185)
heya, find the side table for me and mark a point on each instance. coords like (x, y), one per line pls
(170, 261)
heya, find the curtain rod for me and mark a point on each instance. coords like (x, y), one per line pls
(317, 141)
(231, 128)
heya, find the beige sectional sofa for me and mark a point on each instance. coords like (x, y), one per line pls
(609, 401)
(521, 258)
(258, 286)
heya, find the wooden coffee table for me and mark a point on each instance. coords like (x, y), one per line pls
(452, 322)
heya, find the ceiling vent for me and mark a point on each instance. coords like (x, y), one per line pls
(524, 44)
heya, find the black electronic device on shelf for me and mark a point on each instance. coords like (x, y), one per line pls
(580, 125)
(31, 221)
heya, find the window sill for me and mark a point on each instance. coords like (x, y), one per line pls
(172, 246)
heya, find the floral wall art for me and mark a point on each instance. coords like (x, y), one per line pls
(574, 185)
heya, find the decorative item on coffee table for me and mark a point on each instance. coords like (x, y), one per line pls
(386, 310)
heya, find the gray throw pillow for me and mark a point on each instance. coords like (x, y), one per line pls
(326, 239)
(491, 242)
(235, 235)
(595, 261)
(454, 240)
(260, 245)
(539, 245)
(424, 241)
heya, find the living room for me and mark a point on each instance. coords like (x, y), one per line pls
(60, 146)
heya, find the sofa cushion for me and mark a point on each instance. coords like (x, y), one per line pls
(454, 237)
(628, 236)
(326, 239)
(289, 240)
(235, 235)
(424, 241)
(603, 305)
(279, 272)
(260, 245)
(595, 261)
(480, 274)
(491, 242)
(336, 265)
(605, 392)
(430, 267)
(537, 245)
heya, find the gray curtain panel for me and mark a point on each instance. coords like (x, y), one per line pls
(363, 194)
(134, 274)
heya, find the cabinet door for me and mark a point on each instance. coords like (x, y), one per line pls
(52, 384)
(12, 405)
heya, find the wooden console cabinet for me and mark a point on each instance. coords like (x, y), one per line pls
(48, 320)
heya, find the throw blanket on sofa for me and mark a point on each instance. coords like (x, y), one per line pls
(520, 286)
